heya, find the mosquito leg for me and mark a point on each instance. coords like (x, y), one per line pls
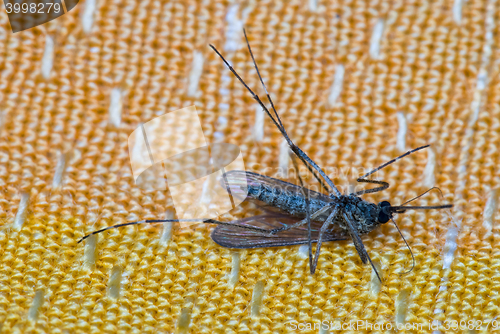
(213, 221)
(156, 221)
(309, 167)
(322, 231)
(286, 228)
(305, 193)
(384, 186)
(277, 121)
(301, 222)
(358, 243)
(392, 161)
(307, 162)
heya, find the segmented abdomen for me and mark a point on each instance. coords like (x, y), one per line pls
(290, 203)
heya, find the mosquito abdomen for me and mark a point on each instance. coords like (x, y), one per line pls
(289, 202)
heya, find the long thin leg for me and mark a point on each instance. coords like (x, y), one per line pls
(276, 113)
(316, 176)
(156, 221)
(301, 222)
(384, 184)
(411, 252)
(278, 117)
(358, 243)
(322, 231)
(392, 161)
(305, 193)
(295, 149)
(262, 81)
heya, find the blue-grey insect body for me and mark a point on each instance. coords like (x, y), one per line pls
(285, 197)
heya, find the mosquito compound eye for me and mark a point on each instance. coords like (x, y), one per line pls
(383, 216)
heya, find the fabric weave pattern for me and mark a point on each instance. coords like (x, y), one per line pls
(356, 84)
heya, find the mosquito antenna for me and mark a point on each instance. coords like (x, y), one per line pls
(412, 256)
(156, 221)
(301, 154)
(393, 160)
(308, 214)
(424, 194)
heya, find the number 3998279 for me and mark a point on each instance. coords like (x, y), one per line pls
(39, 8)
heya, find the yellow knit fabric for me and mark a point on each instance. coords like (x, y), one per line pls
(356, 84)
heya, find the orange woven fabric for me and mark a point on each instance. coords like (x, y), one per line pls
(356, 83)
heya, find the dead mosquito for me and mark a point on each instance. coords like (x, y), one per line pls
(296, 215)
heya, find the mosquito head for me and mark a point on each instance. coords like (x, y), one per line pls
(384, 214)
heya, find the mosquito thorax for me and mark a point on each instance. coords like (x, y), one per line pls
(384, 215)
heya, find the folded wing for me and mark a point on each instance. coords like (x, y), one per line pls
(237, 236)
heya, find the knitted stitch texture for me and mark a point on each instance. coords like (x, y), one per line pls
(356, 83)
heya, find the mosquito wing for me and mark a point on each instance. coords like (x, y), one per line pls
(238, 182)
(237, 236)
